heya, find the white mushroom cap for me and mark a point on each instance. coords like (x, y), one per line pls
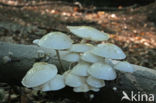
(124, 67)
(83, 88)
(55, 40)
(96, 83)
(90, 57)
(71, 57)
(57, 82)
(89, 33)
(73, 80)
(40, 73)
(81, 47)
(81, 69)
(102, 71)
(108, 50)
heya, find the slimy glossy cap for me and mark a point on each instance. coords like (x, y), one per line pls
(71, 57)
(39, 74)
(96, 83)
(57, 83)
(90, 57)
(81, 69)
(72, 80)
(80, 48)
(55, 40)
(88, 33)
(124, 67)
(102, 71)
(108, 50)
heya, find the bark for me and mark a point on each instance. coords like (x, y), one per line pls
(24, 56)
(143, 79)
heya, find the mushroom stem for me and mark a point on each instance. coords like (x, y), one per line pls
(59, 59)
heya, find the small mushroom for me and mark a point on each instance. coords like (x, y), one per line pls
(54, 84)
(124, 67)
(96, 83)
(57, 83)
(71, 57)
(57, 41)
(73, 80)
(102, 71)
(88, 33)
(81, 69)
(83, 88)
(108, 50)
(39, 74)
(80, 48)
(90, 57)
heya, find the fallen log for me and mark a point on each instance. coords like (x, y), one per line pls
(143, 79)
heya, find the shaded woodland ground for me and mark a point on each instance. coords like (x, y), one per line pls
(133, 28)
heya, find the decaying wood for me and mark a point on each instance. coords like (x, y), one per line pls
(21, 61)
(143, 79)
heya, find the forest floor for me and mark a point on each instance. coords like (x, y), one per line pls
(129, 28)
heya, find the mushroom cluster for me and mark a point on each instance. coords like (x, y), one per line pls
(92, 64)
